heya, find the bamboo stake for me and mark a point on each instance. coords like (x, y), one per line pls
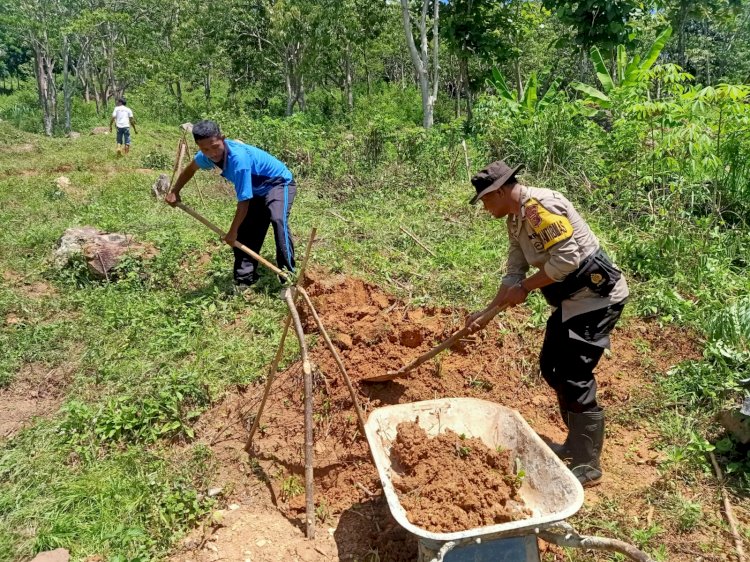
(337, 358)
(307, 371)
(728, 511)
(280, 351)
(176, 160)
(217, 230)
(417, 240)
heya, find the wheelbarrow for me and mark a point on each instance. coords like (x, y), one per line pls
(549, 489)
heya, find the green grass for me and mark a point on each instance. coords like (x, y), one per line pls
(149, 351)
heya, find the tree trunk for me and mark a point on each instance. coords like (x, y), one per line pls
(289, 90)
(178, 96)
(464, 62)
(348, 79)
(42, 69)
(682, 18)
(109, 49)
(97, 98)
(435, 52)
(420, 58)
(80, 73)
(102, 91)
(67, 87)
(293, 79)
(301, 94)
(367, 68)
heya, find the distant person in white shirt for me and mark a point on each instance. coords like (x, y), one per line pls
(123, 118)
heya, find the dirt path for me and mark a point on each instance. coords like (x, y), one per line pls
(376, 333)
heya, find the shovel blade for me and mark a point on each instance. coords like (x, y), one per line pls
(389, 376)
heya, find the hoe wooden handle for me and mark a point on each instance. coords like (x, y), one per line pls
(197, 216)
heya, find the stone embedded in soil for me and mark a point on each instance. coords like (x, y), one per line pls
(453, 483)
(102, 251)
(57, 555)
(161, 187)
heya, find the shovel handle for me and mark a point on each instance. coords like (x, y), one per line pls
(200, 218)
(489, 315)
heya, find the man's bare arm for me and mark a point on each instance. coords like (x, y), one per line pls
(173, 197)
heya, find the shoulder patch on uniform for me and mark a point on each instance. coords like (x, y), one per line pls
(550, 228)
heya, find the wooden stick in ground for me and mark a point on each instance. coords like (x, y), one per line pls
(487, 316)
(190, 211)
(337, 358)
(280, 351)
(417, 240)
(177, 158)
(307, 372)
(728, 511)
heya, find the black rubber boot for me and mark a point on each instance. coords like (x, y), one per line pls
(585, 441)
(562, 450)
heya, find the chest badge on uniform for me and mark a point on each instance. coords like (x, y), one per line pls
(596, 278)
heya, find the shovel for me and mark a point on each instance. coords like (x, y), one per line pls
(468, 330)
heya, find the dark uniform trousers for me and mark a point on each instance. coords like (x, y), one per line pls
(568, 364)
(271, 209)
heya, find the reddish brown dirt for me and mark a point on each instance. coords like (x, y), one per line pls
(34, 289)
(37, 390)
(375, 333)
(452, 483)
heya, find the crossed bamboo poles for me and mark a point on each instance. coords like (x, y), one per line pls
(290, 295)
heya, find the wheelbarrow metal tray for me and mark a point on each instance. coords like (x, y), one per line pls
(549, 489)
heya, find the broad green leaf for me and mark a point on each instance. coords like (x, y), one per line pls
(622, 63)
(530, 93)
(601, 70)
(549, 95)
(656, 48)
(632, 71)
(499, 83)
(593, 94)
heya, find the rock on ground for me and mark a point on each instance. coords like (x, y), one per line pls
(62, 182)
(100, 131)
(57, 555)
(73, 135)
(102, 251)
(160, 187)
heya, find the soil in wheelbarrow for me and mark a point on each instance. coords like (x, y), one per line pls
(452, 482)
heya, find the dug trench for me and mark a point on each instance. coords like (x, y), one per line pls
(374, 332)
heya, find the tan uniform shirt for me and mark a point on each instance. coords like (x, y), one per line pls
(551, 235)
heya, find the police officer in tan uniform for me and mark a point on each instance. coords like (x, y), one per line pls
(579, 280)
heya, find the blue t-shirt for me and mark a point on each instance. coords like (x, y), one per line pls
(252, 171)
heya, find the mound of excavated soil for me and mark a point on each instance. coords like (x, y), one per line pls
(451, 482)
(374, 333)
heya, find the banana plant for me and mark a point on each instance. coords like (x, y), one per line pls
(530, 101)
(626, 73)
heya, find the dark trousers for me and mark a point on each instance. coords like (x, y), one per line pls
(568, 364)
(273, 209)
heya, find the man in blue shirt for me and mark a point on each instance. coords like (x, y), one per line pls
(265, 192)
